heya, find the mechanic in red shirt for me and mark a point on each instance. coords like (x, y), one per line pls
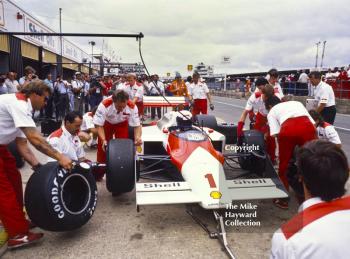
(293, 126)
(16, 123)
(112, 118)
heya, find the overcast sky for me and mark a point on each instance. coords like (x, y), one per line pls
(255, 34)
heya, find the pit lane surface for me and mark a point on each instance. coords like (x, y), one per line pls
(117, 231)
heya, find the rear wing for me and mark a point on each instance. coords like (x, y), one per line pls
(159, 101)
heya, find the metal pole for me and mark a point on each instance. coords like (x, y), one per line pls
(61, 41)
(225, 82)
(324, 47)
(317, 44)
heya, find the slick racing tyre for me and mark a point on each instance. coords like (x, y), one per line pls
(12, 147)
(208, 121)
(60, 200)
(120, 174)
(253, 160)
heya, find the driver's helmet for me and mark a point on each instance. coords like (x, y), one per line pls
(184, 119)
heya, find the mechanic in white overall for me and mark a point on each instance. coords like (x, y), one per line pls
(325, 130)
(321, 228)
(66, 139)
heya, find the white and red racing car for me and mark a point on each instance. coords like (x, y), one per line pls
(187, 161)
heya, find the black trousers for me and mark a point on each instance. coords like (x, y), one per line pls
(328, 114)
(63, 105)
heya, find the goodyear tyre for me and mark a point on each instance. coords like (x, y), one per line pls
(255, 162)
(208, 121)
(57, 200)
(120, 174)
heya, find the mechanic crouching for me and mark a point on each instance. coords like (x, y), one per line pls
(112, 118)
(66, 139)
(16, 123)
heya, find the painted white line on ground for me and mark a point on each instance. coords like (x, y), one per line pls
(230, 104)
(242, 107)
(345, 129)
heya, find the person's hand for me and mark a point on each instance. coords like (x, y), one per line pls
(211, 107)
(138, 142)
(65, 162)
(240, 129)
(104, 145)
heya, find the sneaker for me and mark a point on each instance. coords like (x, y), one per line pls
(281, 203)
(24, 239)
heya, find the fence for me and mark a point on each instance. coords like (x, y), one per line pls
(341, 88)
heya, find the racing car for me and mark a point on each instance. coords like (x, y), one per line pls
(185, 160)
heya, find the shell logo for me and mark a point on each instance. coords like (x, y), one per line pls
(139, 149)
(216, 195)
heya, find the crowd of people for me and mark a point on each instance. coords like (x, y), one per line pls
(105, 107)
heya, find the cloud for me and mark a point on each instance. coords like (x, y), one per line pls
(255, 34)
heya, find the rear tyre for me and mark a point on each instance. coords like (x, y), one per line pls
(255, 162)
(208, 121)
(120, 174)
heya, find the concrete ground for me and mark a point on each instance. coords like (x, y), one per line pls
(117, 230)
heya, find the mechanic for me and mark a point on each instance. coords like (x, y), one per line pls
(135, 91)
(325, 130)
(88, 126)
(17, 124)
(156, 88)
(199, 94)
(324, 94)
(112, 118)
(256, 102)
(66, 140)
(321, 228)
(293, 126)
(272, 77)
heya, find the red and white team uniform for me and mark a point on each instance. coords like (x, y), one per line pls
(67, 144)
(328, 132)
(199, 95)
(294, 127)
(320, 230)
(133, 91)
(256, 103)
(15, 112)
(278, 90)
(88, 122)
(115, 123)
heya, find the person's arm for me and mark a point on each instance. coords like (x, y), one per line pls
(321, 107)
(26, 152)
(43, 146)
(101, 134)
(137, 135)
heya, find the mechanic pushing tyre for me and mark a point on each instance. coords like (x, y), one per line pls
(120, 173)
(14, 151)
(255, 162)
(57, 200)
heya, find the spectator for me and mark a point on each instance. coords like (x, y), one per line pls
(29, 73)
(11, 83)
(324, 94)
(95, 92)
(61, 90)
(329, 74)
(321, 228)
(3, 88)
(78, 90)
(49, 104)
